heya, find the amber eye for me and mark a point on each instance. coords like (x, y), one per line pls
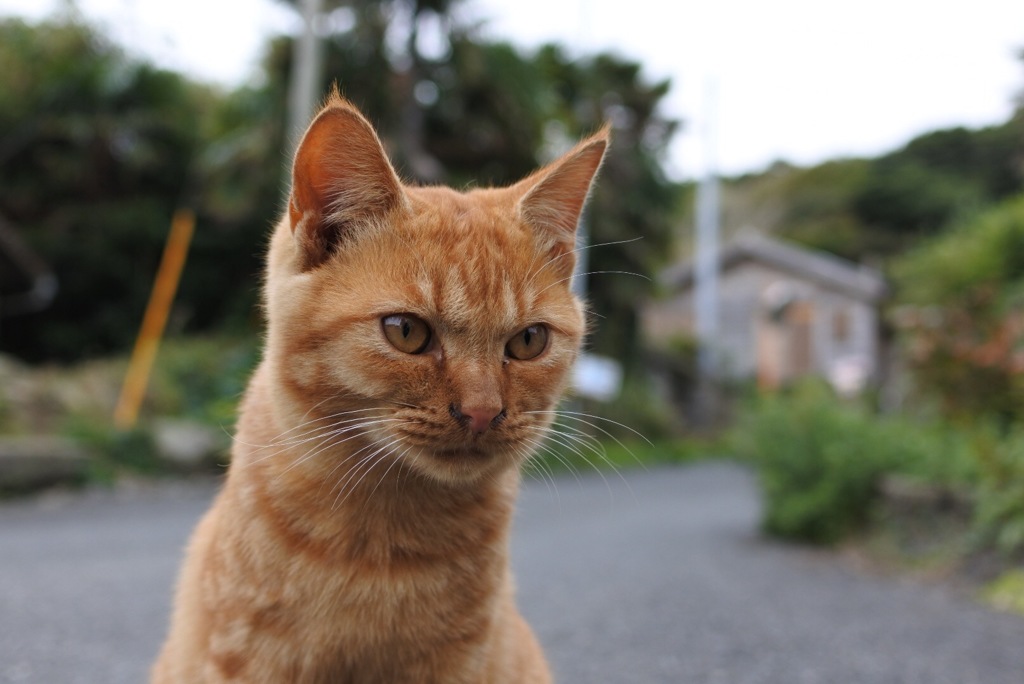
(406, 333)
(528, 343)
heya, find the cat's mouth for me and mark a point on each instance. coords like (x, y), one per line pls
(466, 453)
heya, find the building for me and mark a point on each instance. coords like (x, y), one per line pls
(784, 312)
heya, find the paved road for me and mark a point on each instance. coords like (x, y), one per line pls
(663, 580)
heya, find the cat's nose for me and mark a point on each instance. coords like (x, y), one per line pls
(478, 418)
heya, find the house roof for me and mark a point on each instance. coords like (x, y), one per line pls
(823, 268)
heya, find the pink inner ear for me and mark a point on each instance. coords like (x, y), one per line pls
(341, 176)
(294, 215)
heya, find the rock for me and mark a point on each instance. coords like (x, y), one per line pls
(188, 444)
(28, 463)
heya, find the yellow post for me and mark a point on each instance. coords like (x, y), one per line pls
(153, 323)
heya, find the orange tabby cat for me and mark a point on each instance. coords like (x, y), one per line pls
(419, 339)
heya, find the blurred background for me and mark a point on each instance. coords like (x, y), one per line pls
(850, 320)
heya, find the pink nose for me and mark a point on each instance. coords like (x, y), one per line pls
(479, 419)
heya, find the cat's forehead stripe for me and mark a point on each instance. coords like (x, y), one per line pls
(470, 265)
(477, 287)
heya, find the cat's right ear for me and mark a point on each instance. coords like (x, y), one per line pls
(341, 178)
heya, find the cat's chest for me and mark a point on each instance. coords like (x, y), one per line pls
(349, 583)
(346, 615)
(391, 575)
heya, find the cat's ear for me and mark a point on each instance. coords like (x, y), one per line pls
(555, 195)
(341, 177)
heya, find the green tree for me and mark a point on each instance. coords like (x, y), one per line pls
(815, 206)
(937, 178)
(95, 151)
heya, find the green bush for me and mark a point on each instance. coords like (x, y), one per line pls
(999, 513)
(202, 378)
(938, 454)
(820, 461)
(114, 451)
(816, 476)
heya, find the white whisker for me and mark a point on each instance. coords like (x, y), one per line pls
(323, 437)
(378, 457)
(278, 439)
(394, 461)
(324, 447)
(571, 415)
(565, 440)
(348, 461)
(533, 274)
(579, 435)
(562, 280)
(540, 471)
(603, 454)
(540, 446)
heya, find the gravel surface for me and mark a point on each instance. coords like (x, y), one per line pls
(656, 576)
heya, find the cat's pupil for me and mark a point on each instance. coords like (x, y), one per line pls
(406, 329)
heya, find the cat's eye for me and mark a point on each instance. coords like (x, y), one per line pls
(406, 333)
(528, 343)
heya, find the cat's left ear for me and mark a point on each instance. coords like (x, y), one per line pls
(341, 178)
(556, 194)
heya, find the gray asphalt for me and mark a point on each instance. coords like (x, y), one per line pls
(657, 577)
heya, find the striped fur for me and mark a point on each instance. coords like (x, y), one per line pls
(362, 532)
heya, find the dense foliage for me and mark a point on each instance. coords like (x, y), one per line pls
(875, 209)
(963, 314)
(819, 464)
(822, 463)
(94, 155)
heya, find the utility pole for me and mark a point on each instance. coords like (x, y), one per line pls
(307, 66)
(706, 267)
(578, 284)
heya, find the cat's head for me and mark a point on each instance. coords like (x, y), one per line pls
(438, 327)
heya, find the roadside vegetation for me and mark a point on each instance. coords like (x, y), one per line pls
(942, 473)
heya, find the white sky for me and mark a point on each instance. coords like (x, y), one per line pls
(801, 80)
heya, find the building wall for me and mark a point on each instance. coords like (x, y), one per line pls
(760, 336)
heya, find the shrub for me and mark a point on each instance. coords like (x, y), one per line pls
(819, 461)
(938, 454)
(202, 378)
(816, 477)
(999, 514)
(114, 451)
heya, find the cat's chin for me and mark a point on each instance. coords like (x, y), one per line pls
(461, 465)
